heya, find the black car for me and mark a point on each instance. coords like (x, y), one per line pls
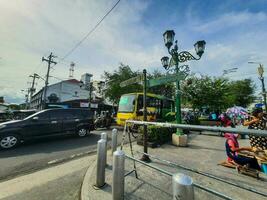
(46, 123)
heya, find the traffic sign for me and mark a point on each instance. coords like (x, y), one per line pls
(166, 79)
(138, 79)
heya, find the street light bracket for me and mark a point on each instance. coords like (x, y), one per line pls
(186, 56)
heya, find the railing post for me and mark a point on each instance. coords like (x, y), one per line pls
(183, 188)
(118, 175)
(114, 140)
(101, 163)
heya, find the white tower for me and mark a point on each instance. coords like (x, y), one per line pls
(71, 70)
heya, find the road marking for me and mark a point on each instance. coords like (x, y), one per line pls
(78, 155)
(53, 161)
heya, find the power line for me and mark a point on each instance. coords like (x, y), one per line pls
(90, 32)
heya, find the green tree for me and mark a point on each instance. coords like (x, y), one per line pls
(166, 90)
(217, 93)
(241, 92)
(113, 80)
(205, 92)
(124, 72)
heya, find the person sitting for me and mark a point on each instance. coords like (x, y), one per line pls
(232, 150)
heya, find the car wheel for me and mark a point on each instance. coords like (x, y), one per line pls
(82, 132)
(9, 141)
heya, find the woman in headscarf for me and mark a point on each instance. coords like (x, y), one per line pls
(232, 149)
(257, 121)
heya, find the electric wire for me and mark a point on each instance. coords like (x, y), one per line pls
(89, 33)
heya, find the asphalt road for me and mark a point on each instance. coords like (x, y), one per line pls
(40, 154)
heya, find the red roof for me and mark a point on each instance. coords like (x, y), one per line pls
(73, 81)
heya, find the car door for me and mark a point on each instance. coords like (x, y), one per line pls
(37, 126)
(56, 120)
(70, 121)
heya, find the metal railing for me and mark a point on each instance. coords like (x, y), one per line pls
(203, 128)
(170, 174)
(206, 174)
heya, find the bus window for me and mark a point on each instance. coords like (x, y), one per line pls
(127, 103)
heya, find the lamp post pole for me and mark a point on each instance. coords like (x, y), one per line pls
(176, 58)
(261, 77)
(261, 71)
(178, 98)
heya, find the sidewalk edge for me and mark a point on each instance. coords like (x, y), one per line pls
(85, 194)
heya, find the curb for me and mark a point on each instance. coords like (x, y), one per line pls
(85, 193)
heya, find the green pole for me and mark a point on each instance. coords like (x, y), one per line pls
(178, 103)
(145, 157)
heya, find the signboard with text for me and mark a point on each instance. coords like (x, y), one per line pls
(137, 79)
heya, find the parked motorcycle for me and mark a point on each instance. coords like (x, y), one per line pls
(103, 121)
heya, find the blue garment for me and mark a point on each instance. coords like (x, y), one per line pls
(241, 160)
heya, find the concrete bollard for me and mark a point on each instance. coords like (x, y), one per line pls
(118, 175)
(114, 140)
(101, 163)
(183, 188)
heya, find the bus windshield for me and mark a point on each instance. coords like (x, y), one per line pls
(127, 103)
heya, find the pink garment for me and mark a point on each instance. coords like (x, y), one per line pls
(232, 142)
(232, 137)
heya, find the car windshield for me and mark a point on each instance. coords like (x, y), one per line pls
(126, 103)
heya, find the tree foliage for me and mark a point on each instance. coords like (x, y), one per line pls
(113, 80)
(217, 93)
(241, 92)
(166, 90)
(124, 72)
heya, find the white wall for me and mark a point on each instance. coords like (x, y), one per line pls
(67, 91)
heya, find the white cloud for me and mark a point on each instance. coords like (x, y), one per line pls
(32, 29)
(231, 20)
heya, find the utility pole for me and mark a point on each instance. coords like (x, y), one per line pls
(49, 60)
(26, 93)
(32, 89)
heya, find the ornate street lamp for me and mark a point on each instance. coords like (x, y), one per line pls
(165, 62)
(200, 47)
(168, 37)
(176, 58)
(261, 77)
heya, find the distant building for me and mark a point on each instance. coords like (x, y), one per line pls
(2, 100)
(69, 93)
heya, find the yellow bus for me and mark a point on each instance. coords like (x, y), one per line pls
(158, 108)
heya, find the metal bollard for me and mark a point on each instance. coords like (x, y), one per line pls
(118, 175)
(101, 163)
(183, 188)
(104, 136)
(114, 140)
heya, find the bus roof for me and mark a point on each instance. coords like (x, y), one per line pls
(150, 95)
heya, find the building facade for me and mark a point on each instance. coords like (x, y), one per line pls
(68, 93)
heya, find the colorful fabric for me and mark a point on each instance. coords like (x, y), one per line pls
(231, 144)
(258, 141)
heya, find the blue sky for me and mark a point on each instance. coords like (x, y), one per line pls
(235, 32)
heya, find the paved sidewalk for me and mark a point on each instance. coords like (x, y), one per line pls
(60, 182)
(203, 154)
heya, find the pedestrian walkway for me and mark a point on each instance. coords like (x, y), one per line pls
(57, 182)
(203, 154)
